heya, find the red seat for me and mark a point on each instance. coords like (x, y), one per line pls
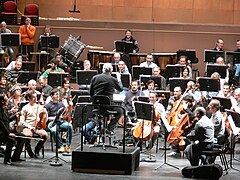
(9, 13)
(31, 11)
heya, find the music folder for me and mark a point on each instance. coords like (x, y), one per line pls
(234, 121)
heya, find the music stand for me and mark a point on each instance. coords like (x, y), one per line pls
(85, 77)
(174, 70)
(174, 82)
(157, 80)
(25, 76)
(137, 70)
(78, 114)
(28, 66)
(143, 98)
(76, 93)
(83, 98)
(208, 84)
(123, 46)
(210, 56)
(55, 79)
(145, 111)
(234, 121)
(233, 57)
(221, 69)
(163, 97)
(125, 79)
(50, 41)
(224, 102)
(11, 39)
(189, 53)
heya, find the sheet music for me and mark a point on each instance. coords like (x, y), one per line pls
(166, 124)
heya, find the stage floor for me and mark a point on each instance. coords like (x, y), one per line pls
(37, 169)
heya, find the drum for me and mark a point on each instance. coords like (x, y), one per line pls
(97, 57)
(72, 49)
(162, 59)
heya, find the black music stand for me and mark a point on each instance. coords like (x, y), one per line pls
(56, 122)
(163, 97)
(234, 121)
(78, 114)
(10, 39)
(76, 93)
(25, 76)
(145, 111)
(157, 80)
(123, 46)
(210, 56)
(209, 84)
(174, 70)
(50, 41)
(137, 70)
(28, 66)
(189, 53)
(174, 82)
(233, 57)
(125, 79)
(55, 79)
(85, 77)
(221, 69)
(224, 102)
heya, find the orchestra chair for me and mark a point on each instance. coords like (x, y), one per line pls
(101, 110)
(218, 150)
(9, 13)
(31, 11)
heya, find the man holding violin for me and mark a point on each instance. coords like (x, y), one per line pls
(31, 122)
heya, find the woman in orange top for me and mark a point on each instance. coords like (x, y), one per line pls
(27, 32)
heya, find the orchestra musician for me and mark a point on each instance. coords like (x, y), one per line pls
(52, 108)
(32, 86)
(183, 61)
(27, 32)
(150, 88)
(54, 68)
(219, 45)
(4, 87)
(149, 62)
(204, 138)
(129, 38)
(7, 136)
(86, 67)
(122, 68)
(194, 91)
(11, 65)
(31, 122)
(61, 63)
(12, 75)
(156, 72)
(45, 87)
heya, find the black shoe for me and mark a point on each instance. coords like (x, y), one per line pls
(37, 154)
(18, 160)
(8, 163)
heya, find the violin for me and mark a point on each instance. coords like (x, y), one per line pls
(42, 123)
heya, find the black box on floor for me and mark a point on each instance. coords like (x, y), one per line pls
(109, 161)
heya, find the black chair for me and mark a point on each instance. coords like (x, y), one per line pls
(102, 104)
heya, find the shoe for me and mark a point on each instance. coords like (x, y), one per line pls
(68, 148)
(18, 160)
(8, 163)
(174, 154)
(110, 133)
(61, 150)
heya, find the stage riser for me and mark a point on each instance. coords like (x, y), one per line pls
(106, 162)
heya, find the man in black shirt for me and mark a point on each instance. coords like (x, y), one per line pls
(104, 84)
(128, 37)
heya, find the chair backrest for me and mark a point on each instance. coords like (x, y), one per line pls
(10, 6)
(31, 9)
(102, 100)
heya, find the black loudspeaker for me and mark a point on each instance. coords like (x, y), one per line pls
(110, 161)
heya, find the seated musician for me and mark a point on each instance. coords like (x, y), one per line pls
(150, 88)
(12, 75)
(52, 108)
(32, 86)
(225, 92)
(86, 67)
(127, 104)
(61, 63)
(183, 61)
(194, 91)
(4, 87)
(116, 58)
(185, 74)
(204, 138)
(177, 94)
(45, 87)
(122, 68)
(156, 72)
(9, 50)
(31, 122)
(220, 61)
(54, 68)
(7, 135)
(11, 65)
(149, 62)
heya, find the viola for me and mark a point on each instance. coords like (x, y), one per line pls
(42, 123)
